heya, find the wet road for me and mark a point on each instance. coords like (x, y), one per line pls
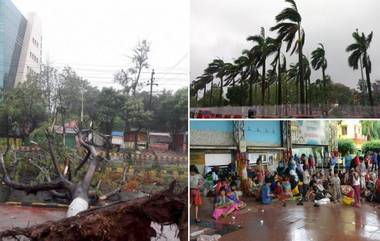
(21, 216)
(300, 223)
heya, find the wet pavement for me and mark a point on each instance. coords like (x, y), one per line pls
(293, 223)
(22, 216)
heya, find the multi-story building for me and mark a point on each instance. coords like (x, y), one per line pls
(20, 45)
(351, 129)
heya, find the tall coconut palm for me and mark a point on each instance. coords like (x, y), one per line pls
(319, 61)
(289, 30)
(217, 67)
(263, 48)
(242, 64)
(359, 52)
(232, 71)
(294, 71)
(249, 60)
(203, 80)
(277, 44)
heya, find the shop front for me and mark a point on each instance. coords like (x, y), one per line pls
(211, 144)
(214, 143)
(264, 140)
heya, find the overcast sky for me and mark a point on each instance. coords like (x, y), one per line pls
(96, 36)
(219, 28)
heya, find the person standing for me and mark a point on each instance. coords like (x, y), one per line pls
(374, 161)
(347, 162)
(333, 161)
(311, 162)
(356, 187)
(196, 182)
(335, 180)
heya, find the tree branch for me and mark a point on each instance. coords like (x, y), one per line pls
(47, 176)
(83, 161)
(110, 194)
(51, 152)
(29, 188)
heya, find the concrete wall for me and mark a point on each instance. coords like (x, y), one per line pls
(211, 133)
(263, 133)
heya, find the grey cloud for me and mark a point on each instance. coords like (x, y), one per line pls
(219, 29)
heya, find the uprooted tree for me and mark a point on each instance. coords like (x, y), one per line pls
(60, 183)
(120, 221)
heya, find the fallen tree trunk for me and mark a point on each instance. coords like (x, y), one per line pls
(122, 221)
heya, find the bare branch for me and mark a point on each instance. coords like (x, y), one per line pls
(29, 188)
(51, 152)
(110, 194)
(83, 161)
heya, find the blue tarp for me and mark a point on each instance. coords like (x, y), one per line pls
(117, 133)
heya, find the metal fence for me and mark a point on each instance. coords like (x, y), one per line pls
(287, 111)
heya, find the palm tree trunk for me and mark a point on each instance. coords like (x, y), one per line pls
(309, 95)
(301, 74)
(279, 97)
(368, 81)
(250, 91)
(256, 94)
(221, 92)
(263, 85)
(241, 89)
(324, 83)
(210, 100)
(204, 96)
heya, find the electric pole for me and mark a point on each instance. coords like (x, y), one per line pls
(151, 88)
(81, 112)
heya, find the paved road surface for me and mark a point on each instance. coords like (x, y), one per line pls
(21, 216)
(296, 223)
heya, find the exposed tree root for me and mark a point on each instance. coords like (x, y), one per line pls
(122, 221)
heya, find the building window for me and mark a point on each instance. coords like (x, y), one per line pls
(344, 130)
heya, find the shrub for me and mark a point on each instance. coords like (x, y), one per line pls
(371, 146)
(346, 146)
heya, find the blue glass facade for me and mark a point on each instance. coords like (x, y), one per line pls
(12, 31)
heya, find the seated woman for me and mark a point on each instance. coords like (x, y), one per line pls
(234, 196)
(223, 205)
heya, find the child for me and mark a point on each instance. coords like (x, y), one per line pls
(287, 188)
(223, 205)
(196, 182)
(234, 196)
(266, 195)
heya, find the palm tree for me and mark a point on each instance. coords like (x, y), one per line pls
(242, 64)
(359, 52)
(289, 28)
(277, 44)
(294, 71)
(217, 67)
(203, 80)
(319, 61)
(232, 71)
(249, 61)
(260, 52)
